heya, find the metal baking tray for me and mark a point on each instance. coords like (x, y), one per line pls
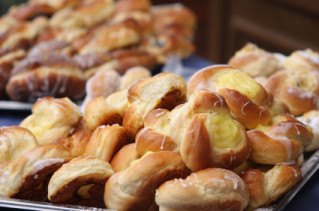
(310, 166)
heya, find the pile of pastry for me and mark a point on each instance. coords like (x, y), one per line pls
(220, 141)
(51, 48)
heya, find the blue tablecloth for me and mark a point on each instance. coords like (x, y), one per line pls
(306, 200)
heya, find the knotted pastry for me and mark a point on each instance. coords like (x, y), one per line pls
(46, 81)
(255, 61)
(165, 90)
(14, 142)
(6, 64)
(209, 189)
(265, 188)
(124, 157)
(81, 182)
(134, 188)
(203, 129)
(175, 18)
(52, 119)
(297, 89)
(39, 7)
(109, 37)
(246, 98)
(311, 118)
(84, 15)
(106, 111)
(302, 61)
(28, 176)
(282, 141)
(106, 141)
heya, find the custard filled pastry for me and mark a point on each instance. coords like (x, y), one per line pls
(80, 182)
(299, 90)
(52, 119)
(265, 188)
(202, 128)
(165, 90)
(134, 188)
(209, 189)
(255, 61)
(283, 141)
(248, 101)
(27, 177)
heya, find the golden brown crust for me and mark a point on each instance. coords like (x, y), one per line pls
(246, 98)
(209, 189)
(27, 177)
(15, 141)
(65, 184)
(265, 188)
(297, 89)
(101, 111)
(311, 118)
(255, 61)
(165, 90)
(106, 141)
(52, 119)
(46, 81)
(123, 6)
(281, 142)
(134, 188)
(124, 157)
(305, 60)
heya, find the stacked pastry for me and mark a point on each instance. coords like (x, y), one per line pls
(218, 142)
(51, 48)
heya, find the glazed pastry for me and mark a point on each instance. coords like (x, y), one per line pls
(255, 61)
(302, 61)
(311, 118)
(106, 141)
(209, 189)
(124, 6)
(265, 188)
(124, 157)
(14, 142)
(6, 64)
(173, 19)
(81, 182)
(134, 188)
(132, 75)
(106, 111)
(86, 14)
(27, 177)
(165, 90)
(283, 141)
(52, 119)
(114, 36)
(246, 98)
(297, 89)
(203, 129)
(46, 81)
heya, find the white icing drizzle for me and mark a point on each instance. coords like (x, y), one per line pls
(183, 183)
(140, 133)
(41, 164)
(244, 106)
(295, 172)
(160, 114)
(220, 100)
(163, 142)
(233, 179)
(287, 144)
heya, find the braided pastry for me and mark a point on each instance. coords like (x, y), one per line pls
(134, 188)
(14, 142)
(81, 181)
(265, 188)
(246, 98)
(311, 118)
(203, 129)
(283, 141)
(124, 6)
(209, 189)
(101, 111)
(52, 119)
(165, 90)
(27, 177)
(255, 61)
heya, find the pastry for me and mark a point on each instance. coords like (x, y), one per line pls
(123, 6)
(302, 60)
(124, 157)
(311, 118)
